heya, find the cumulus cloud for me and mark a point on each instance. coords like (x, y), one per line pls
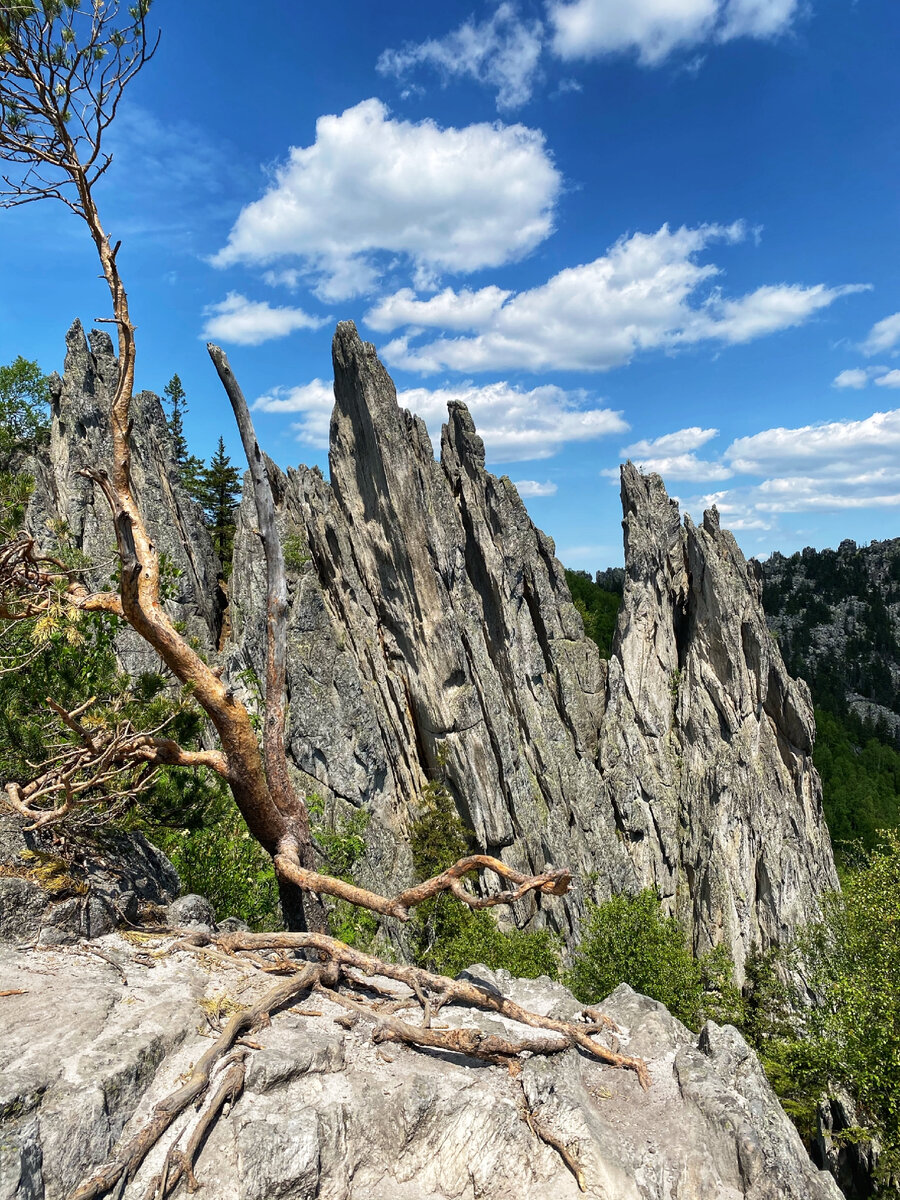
(649, 291)
(251, 322)
(679, 442)
(501, 52)
(449, 309)
(855, 377)
(860, 377)
(314, 401)
(836, 465)
(530, 488)
(653, 29)
(444, 199)
(884, 335)
(516, 425)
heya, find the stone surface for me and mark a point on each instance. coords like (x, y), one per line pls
(433, 637)
(325, 1113)
(191, 910)
(66, 505)
(57, 890)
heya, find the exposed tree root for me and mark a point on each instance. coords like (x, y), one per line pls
(547, 1136)
(130, 1156)
(458, 991)
(218, 1076)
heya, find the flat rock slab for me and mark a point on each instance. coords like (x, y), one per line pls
(325, 1113)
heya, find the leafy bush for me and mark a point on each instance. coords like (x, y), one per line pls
(212, 851)
(628, 940)
(852, 1038)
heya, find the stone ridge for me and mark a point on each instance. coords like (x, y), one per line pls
(65, 504)
(433, 637)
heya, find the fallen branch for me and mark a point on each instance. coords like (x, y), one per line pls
(553, 881)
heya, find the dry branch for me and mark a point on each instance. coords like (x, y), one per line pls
(553, 881)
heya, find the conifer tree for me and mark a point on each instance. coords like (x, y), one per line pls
(219, 488)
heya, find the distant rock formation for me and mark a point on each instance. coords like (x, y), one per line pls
(836, 614)
(325, 1113)
(433, 636)
(67, 506)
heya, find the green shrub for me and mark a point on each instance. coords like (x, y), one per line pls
(628, 940)
(852, 1038)
(215, 855)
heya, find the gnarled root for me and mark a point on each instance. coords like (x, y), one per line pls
(218, 1075)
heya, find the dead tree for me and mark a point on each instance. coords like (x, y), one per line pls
(64, 70)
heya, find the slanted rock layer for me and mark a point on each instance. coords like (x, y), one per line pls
(67, 508)
(433, 637)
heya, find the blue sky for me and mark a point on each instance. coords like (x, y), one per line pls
(663, 229)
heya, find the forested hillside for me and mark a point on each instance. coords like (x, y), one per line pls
(836, 614)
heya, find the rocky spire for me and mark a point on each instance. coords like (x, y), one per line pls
(66, 505)
(433, 636)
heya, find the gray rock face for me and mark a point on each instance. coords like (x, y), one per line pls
(55, 894)
(706, 743)
(433, 637)
(325, 1113)
(66, 505)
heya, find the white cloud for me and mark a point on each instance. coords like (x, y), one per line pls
(251, 322)
(502, 52)
(447, 310)
(840, 448)
(653, 29)
(646, 292)
(685, 466)
(671, 456)
(884, 335)
(314, 400)
(860, 377)
(531, 488)
(516, 425)
(446, 199)
(856, 377)
(679, 442)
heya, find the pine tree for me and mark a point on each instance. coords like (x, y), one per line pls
(219, 486)
(190, 468)
(177, 398)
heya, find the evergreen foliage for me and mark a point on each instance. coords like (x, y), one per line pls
(599, 609)
(191, 469)
(218, 492)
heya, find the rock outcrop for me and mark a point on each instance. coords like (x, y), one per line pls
(836, 614)
(326, 1113)
(56, 891)
(433, 637)
(433, 640)
(67, 508)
